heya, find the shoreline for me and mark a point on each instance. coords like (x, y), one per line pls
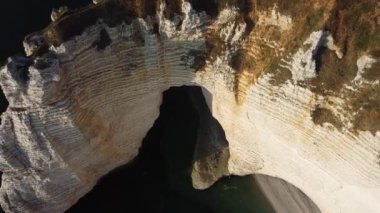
(284, 197)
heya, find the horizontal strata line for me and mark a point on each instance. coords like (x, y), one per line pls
(357, 155)
(315, 136)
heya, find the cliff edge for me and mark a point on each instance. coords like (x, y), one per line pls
(295, 86)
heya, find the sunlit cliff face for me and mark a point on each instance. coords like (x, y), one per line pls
(296, 95)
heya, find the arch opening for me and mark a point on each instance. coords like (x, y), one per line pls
(159, 179)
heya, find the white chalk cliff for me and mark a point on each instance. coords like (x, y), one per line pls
(82, 102)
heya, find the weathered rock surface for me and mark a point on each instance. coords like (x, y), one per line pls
(295, 87)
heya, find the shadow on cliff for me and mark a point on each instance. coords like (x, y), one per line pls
(3, 107)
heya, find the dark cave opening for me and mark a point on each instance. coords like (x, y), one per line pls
(320, 51)
(158, 180)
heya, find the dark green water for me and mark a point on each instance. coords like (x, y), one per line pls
(159, 179)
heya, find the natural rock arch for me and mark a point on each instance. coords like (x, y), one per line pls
(96, 77)
(185, 133)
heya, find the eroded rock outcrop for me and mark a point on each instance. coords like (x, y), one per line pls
(295, 87)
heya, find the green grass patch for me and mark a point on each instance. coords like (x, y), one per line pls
(365, 39)
(314, 18)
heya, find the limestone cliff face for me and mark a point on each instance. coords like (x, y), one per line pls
(294, 84)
